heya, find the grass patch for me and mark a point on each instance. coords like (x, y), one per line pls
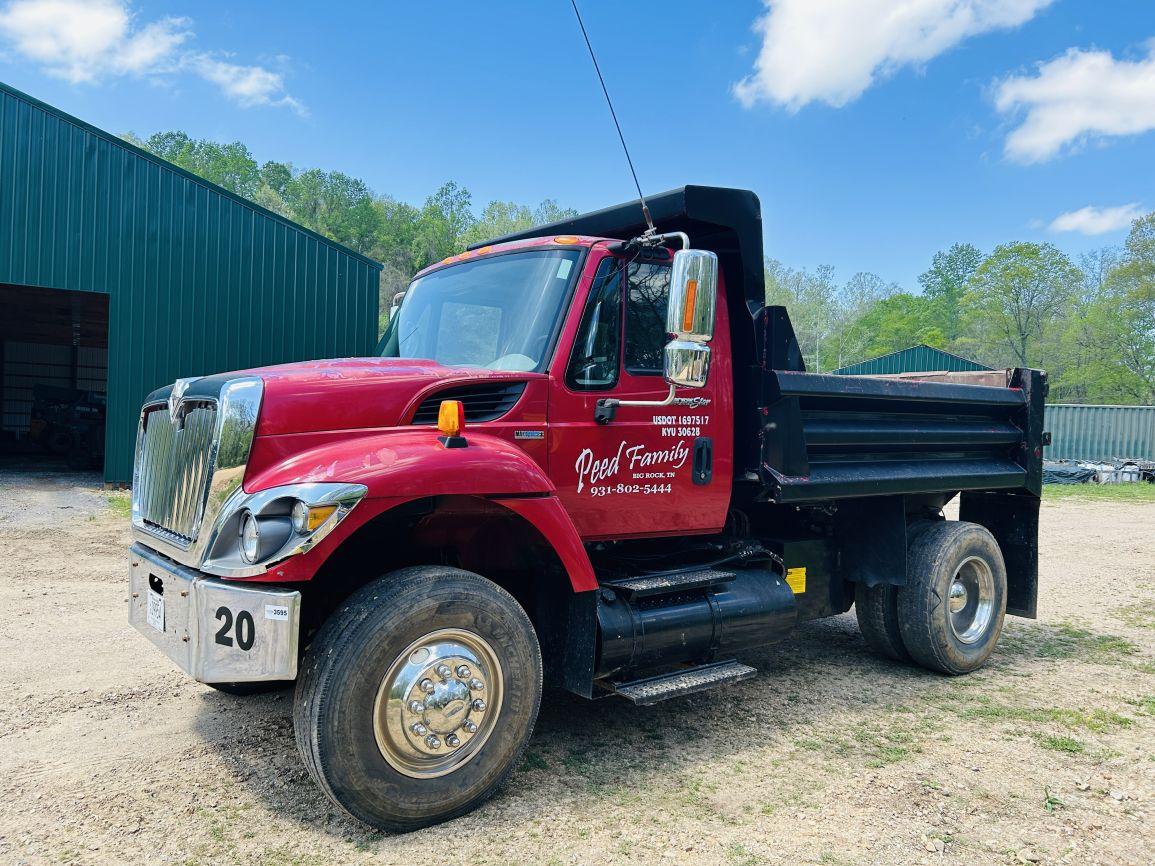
(1067, 745)
(877, 743)
(1137, 491)
(1089, 720)
(1066, 641)
(1136, 615)
(1052, 803)
(120, 504)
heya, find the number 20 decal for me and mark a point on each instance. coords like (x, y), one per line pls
(246, 631)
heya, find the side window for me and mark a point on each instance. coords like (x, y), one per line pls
(649, 289)
(593, 365)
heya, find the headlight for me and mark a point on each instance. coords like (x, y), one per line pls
(258, 530)
(300, 517)
(250, 537)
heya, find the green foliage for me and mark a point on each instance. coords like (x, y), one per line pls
(402, 237)
(945, 282)
(1017, 297)
(1091, 327)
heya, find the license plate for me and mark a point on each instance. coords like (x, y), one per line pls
(154, 615)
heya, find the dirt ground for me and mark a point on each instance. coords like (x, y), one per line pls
(110, 754)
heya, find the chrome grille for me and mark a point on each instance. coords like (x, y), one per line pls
(174, 468)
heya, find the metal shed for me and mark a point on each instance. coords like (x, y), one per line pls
(120, 272)
(1084, 432)
(916, 359)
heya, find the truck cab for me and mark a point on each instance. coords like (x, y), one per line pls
(588, 457)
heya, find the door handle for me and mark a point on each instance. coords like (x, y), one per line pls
(703, 466)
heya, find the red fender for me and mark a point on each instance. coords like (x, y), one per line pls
(408, 464)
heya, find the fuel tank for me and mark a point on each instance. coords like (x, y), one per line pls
(752, 608)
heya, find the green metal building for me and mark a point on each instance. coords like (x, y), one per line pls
(916, 359)
(120, 272)
(1083, 432)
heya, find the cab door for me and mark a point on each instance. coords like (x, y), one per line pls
(650, 471)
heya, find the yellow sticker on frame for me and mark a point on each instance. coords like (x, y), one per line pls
(796, 579)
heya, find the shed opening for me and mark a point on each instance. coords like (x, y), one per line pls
(53, 378)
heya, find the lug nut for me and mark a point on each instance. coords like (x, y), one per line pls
(419, 729)
(478, 705)
(432, 742)
(476, 685)
(427, 686)
(470, 727)
(443, 671)
(416, 707)
(463, 671)
(452, 741)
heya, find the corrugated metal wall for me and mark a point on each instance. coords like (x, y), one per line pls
(200, 280)
(916, 359)
(1101, 432)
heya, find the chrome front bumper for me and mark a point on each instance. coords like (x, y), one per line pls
(215, 631)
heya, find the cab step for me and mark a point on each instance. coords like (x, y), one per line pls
(668, 584)
(684, 682)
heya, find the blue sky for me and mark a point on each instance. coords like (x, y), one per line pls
(875, 131)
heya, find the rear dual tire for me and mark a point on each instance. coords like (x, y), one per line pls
(949, 615)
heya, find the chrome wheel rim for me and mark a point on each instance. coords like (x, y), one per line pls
(438, 703)
(971, 602)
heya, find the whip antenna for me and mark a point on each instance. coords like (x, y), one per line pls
(614, 115)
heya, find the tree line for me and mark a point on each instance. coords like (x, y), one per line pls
(403, 237)
(1090, 323)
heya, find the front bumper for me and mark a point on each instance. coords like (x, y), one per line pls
(215, 631)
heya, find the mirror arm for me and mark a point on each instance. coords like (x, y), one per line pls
(656, 239)
(607, 408)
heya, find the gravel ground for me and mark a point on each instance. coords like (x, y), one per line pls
(109, 754)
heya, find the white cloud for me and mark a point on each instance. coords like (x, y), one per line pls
(1077, 97)
(83, 40)
(1093, 220)
(86, 41)
(832, 50)
(245, 85)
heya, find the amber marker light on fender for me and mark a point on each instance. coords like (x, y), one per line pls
(451, 423)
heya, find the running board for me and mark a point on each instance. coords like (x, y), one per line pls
(667, 584)
(684, 682)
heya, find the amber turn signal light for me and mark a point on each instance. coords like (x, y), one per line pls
(688, 307)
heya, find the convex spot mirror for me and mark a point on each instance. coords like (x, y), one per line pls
(690, 317)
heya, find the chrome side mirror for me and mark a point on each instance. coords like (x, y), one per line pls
(690, 317)
(686, 364)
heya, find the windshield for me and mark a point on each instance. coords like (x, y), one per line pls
(498, 312)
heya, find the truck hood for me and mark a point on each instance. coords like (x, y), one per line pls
(357, 393)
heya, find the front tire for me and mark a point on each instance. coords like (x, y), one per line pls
(950, 613)
(418, 697)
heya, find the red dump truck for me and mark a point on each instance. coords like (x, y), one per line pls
(588, 457)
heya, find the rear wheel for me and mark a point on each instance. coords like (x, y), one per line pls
(418, 696)
(877, 610)
(950, 613)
